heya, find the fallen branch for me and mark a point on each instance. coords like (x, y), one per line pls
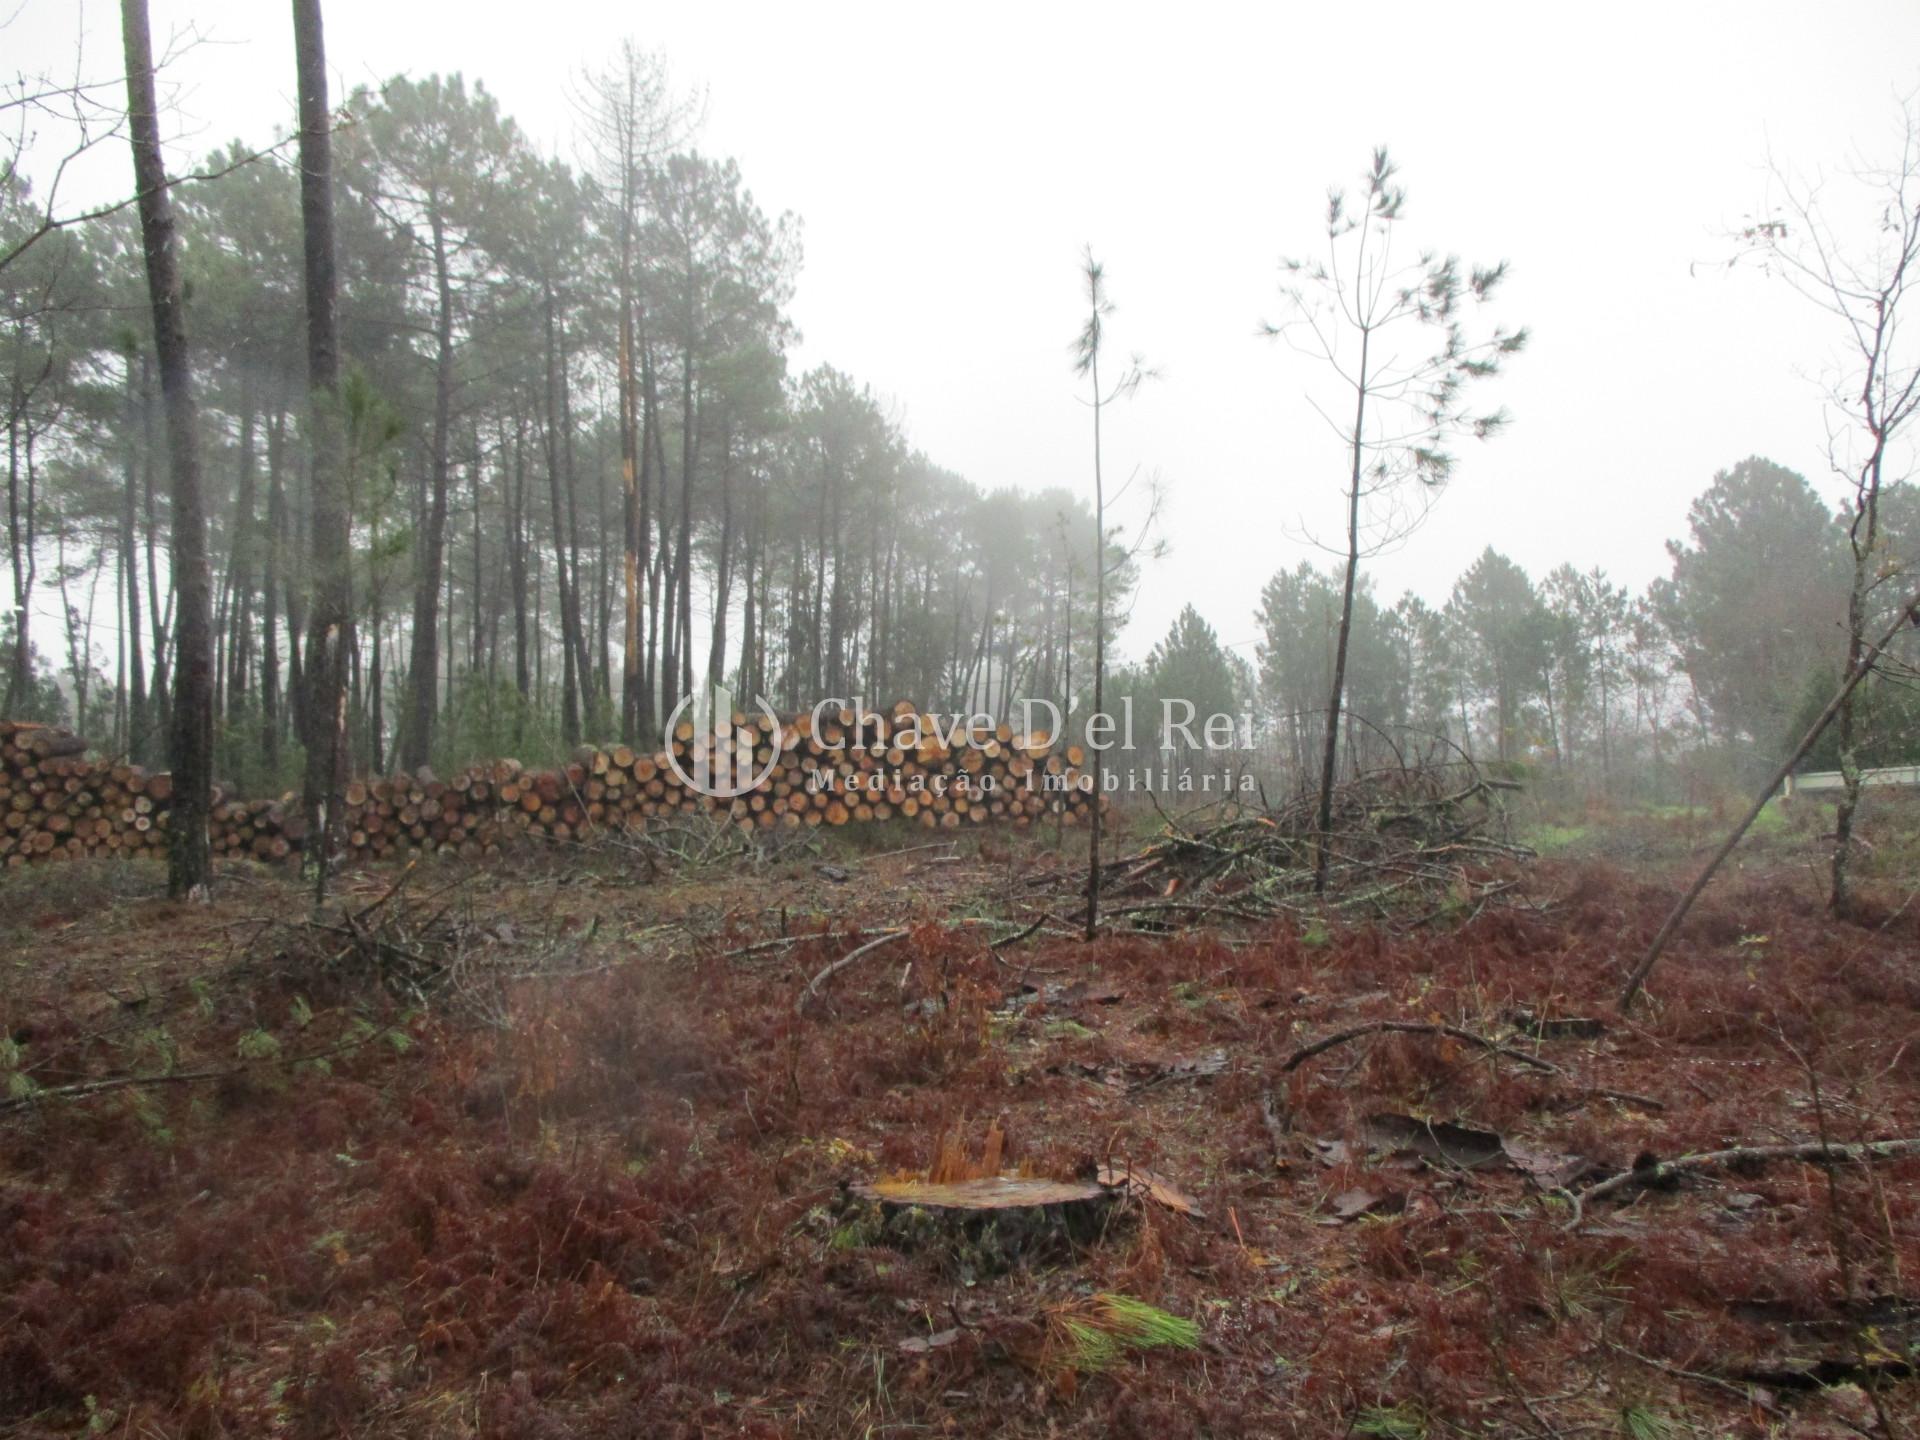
(87, 1089)
(1750, 1394)
(997, 945)
(778, 942)
(813, 985)
(1196, 908)
(1412, 1027)
(909, 850)
(1626, 1097)
(1814, 1151)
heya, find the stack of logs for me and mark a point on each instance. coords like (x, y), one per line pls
(58, 802)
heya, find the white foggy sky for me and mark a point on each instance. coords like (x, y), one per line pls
(949, 164)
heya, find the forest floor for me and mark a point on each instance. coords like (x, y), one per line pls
(556, 1150)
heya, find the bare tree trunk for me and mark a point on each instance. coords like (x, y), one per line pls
(330, 624)
(722, 572)
(481, 603)
(565, 565)
(836, 593)
(158, 618)
(1323, 851)
(294, 580)
(582, 657)
(750, 684)
(240, 572)
(376, 669)
(1099, 628)
(1066, 647)
(20, 543)
(582, 640)
(1099, 647)
(270, 594)
(661, 673)
(431, 552)
(683, 562)
(121, 741)
(139, 745)
(189, 860)
(1863, 537)
(603, 589)
(518, 538)
(632, 697)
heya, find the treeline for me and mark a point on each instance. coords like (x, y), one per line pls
(562, 375)
(1725, 660)
(559, 375)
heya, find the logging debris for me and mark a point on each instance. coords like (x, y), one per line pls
(1409, 843)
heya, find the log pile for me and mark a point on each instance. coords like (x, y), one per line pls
(58, 801)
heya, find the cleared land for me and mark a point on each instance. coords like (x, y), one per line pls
(583, 1147)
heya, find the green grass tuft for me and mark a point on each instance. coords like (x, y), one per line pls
(1102, 1333)
(1638, 1422)
(1404, 1421)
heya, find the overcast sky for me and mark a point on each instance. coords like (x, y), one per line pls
(949, 164)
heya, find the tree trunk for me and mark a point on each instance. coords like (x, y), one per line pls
(603, 588)
(323, 682)
(137, 722)
(1867, 519)
(632, 697)
(683, 555)
(424, 659)
(722, 572)
(749, 681)
(660, 673)
(565, 565)
(189, 861)
(270, 594)
(518, 538)
(1099, 650)
(376, 706)
(582, 639)
(569, 678)
(582, 656)
(20, 544)
(1323, 852)
(240, 574)
(139, 743)
(292, 602)
(157, 618)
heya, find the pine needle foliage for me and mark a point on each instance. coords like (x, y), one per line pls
(1093, 1335)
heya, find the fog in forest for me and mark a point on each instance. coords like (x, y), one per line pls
(851, 249)
(826, 720)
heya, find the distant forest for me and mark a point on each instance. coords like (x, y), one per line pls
(787, 535)
(1723, 663)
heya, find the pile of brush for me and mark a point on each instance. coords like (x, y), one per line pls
(414, 946)
(1404, 843)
